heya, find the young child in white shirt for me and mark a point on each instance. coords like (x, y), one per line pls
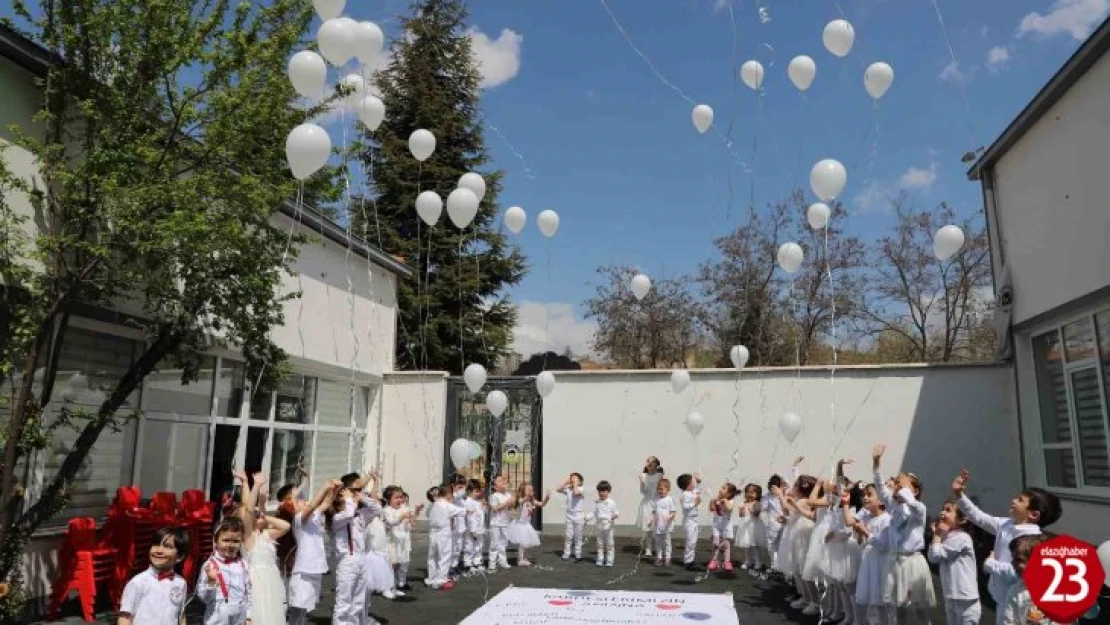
(458, 525)
(157, 595)
(571, 487)
(953, 551)
(225, 582)
(662, 521)
(475, 525)
(605, 513)
(347, 518)
(310, 561)
(1018, 607)
(909, 582)
(441, 520)
(500, 507)
(691, 500)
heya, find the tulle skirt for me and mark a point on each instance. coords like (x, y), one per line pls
(751, 532)
(908, 582)
(267, 594)
(379, 572)
(523, 535)
(815, 553)
(794, 545)
(842, 558)
(871, 576)
(399, 547)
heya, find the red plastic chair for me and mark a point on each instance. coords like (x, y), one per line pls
(84, 562)
(164, 506)
(196, 516)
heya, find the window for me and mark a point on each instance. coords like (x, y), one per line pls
(1072, 368)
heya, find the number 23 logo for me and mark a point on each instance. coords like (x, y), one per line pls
(1052, 594)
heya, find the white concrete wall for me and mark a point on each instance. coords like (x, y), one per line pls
(1051, 200)
(21, 101)
(410, 419)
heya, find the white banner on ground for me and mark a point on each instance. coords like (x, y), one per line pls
(536, 606)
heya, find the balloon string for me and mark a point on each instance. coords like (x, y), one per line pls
(963, 86)
(832, 330)
(462, 352)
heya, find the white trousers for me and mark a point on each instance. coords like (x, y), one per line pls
(498, 543)
(605, 546)
(472, 549)
(963, 611)
(350, 591)
(439, 557)
(691, 544)
(458, 543)
(663, 546)
(572, 537)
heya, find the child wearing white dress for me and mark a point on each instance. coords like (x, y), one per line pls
(441, 520)
(909, 582)
(794, 544)
(691, 501)
(774, 518)
(842, 554)
(379, 570)
(157, 595)
(225, 582)
(751, 532)
(521, 532)
(605, 514)
(475, 525)
(500, 509)
(571, 488)
(720, 511)
(395, 544)
(1018, 608)
(870, 526)
(662, 521)
(351, 510)
(310, 561)
(649, 489)
(261, 533)
(954, 552)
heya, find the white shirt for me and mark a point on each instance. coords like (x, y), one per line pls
(311, 557)
(907, 518)
(348, 527)
(458, 497)
(662, 508)
(605, 510)
(1000, 569)
(576, 503)
(690, 506)
(1018, 609)
(228, 599)
(502, 517)
(956, 558)
(440, 515)
(152, 601)
(476, 519)
(876, 526)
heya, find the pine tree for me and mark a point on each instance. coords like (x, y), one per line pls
(455, 312)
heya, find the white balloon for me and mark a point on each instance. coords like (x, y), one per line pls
(515, 218)
(368, 41)
(371, 111)
(802, 70)
(752, 74)
(329, 9)
(475, 377)
(695, 423)
(430, 206)
(877, 79)
(497, 402)
(476, 450)
(308, 73)
(462, 206)
(548, 221)
(422, 143)
(839, 37)
(789, 425)
(739, 356)
(474, 182)
(641, 285)
(1104, 558)
(827, 179)
(461, 453)
(790, 257)
(307, 148)
(336, 39)
(354, 86)
(680, 379)
(703, 117)
(545, 383)
(947, 242)
(818, 215)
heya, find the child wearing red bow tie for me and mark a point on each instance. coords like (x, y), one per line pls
(157, 595)
(225, 582)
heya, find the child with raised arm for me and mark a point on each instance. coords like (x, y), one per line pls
(1018, 607)
(1031, 510)
(691, 501)
(475, 525)
(310, 561)
(571, 487)
(441, 520)
(225, 583)
(500, 508)
(157, 595)
(909, 582)
(347, 517)
(954, 552)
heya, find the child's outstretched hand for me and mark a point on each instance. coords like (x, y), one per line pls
(211, 572)
(798, 461)
(239, 475)
(877, 452)
(960, 483)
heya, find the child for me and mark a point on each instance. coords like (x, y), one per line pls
(351, 510)
(662, 521)
(870, 525)
(398, 519)
(605, 513)
(521, 533)
(157, 596)
(441, 521)
(691, 499)
(751, 533)
(576, 515)
(821, 500)
(458, 528)
(720, 509)
(649, 488)
(1030, 511)
(909, 582)
(261, 533)
(225, 584)
(310, 560)
(842, 555)
(953, 551)
(500, 506)
(773, 517)
(1018, 608)
(794, 543)
(475, 525)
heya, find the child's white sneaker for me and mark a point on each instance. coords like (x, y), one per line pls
(389, 594)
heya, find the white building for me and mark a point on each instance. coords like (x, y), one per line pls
(1044, 186)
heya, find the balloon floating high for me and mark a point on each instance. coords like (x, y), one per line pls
(548, 222)
(818, 215)
(371, 112)
(790, 424)
(702, 117)
(739, 356)
(802, 70)
(475, 377)
(329, 9)
(641, 285)
(838, 37)
(545, 383)
(497, 402)
(429, 206)
(695, 423)
(307, 148)
(877, 79)
(752, 74)
(947, 242)
(422, 143)
(515, 218)
(475, 183)
(790, 257)
(308, 73)
(462, 452)
(680, 379)
(462, 206)
(368, 42)
(827, 179)
(337, 39)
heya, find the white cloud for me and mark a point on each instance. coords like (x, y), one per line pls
(720, 5)
(917, 177)
(1077, 18)
(997, 57)
(952, 73)
(498, 59)
(550, 326)
(877, 196)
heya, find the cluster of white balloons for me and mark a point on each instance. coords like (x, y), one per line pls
(464, 451)
(475, 377)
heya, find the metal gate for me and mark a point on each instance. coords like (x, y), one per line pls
(512, 444)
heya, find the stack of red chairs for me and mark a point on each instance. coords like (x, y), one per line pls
(84, 562)
(196, 515)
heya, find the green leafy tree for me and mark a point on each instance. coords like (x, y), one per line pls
(160, 145)
(457, 311)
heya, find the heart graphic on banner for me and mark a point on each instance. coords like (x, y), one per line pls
(667, 606)
(560, 602)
